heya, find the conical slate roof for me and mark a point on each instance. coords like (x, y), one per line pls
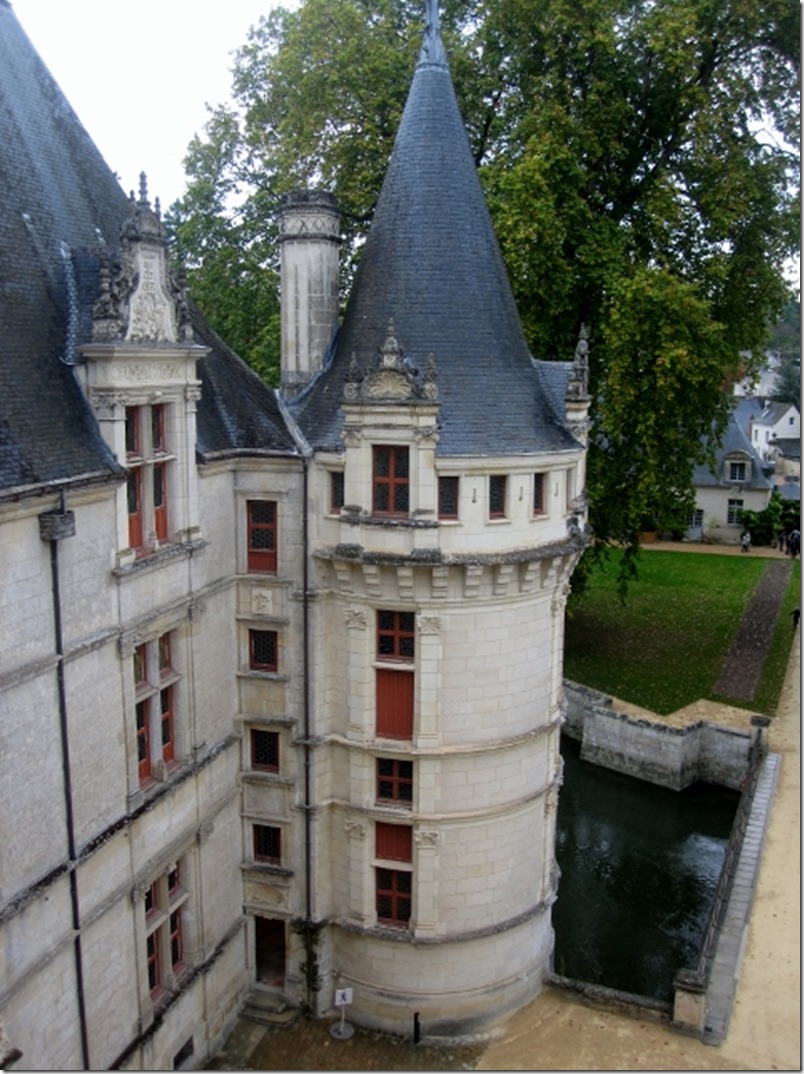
(61, 204)
(432, 265)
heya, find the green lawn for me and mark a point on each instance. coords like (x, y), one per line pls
(664, 647)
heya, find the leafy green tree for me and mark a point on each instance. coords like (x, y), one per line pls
(640, 161)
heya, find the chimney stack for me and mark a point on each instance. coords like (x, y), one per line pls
(309, 233)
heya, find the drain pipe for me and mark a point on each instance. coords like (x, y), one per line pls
(311, 975)
(55, 526)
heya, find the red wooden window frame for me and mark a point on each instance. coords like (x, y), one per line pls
(393, 842)
(396, 643)
(159, 479)
(396, 635)
(142, 714)
(394, 704)
(263, 648)
(152, 955)
(498, 488)
(538, 494)
(166, 722)
(264, 750)
(395, 781)
(262, 534)
(176, 941)
(448, 491)
(134, 505)
(268, 844)
(394, 889)
(165, 661)
(390, 480)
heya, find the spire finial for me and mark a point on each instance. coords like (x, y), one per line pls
(432, 48)
(144, 190)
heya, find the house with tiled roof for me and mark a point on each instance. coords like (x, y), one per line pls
(280, 675)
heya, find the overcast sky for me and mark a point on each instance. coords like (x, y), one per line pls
(139, 74)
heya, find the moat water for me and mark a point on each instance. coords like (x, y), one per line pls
(639, 867)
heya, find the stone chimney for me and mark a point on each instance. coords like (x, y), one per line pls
(309, 233)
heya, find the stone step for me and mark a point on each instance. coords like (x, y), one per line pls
(268, 1009)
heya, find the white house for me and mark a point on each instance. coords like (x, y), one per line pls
(737, 483)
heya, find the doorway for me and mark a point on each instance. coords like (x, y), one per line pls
(269, 951)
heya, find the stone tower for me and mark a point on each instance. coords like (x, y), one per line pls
(446, 513)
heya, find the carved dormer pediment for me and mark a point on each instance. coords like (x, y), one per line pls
(140, 301)
(394, 378)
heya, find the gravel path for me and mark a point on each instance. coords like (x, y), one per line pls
(742, 668)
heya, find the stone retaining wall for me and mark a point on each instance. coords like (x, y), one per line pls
(674, 757)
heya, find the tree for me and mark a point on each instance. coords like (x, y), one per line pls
(785, 341)
(639, 158)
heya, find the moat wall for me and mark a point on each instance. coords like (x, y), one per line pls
(674, 757)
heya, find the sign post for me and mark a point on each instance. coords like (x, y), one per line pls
(342, 1030)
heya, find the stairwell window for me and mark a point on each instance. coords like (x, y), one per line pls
(265, 751)
(498, 488)
(263, 650)
(148, 462)
(165, 905)
(267, 844)
(390, 480)
(155, 691)
(394, 884)
(395, 781)
(262, 536)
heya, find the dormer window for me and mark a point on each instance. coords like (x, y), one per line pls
(736, 471)
(390, 481)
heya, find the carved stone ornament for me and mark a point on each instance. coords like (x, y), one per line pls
(429, 624)
(139, 300)
(354, 829)
(426, 839)
(262, 601)
(355, 619)
(108, 404)
(396, 378)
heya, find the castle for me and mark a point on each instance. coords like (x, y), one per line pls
(281, 671)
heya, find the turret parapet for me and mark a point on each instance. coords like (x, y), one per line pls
(140, 301)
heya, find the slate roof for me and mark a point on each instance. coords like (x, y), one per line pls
(60, 203)
(734, 441)
(432, 264)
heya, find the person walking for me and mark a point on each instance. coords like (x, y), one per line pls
(745, 542)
